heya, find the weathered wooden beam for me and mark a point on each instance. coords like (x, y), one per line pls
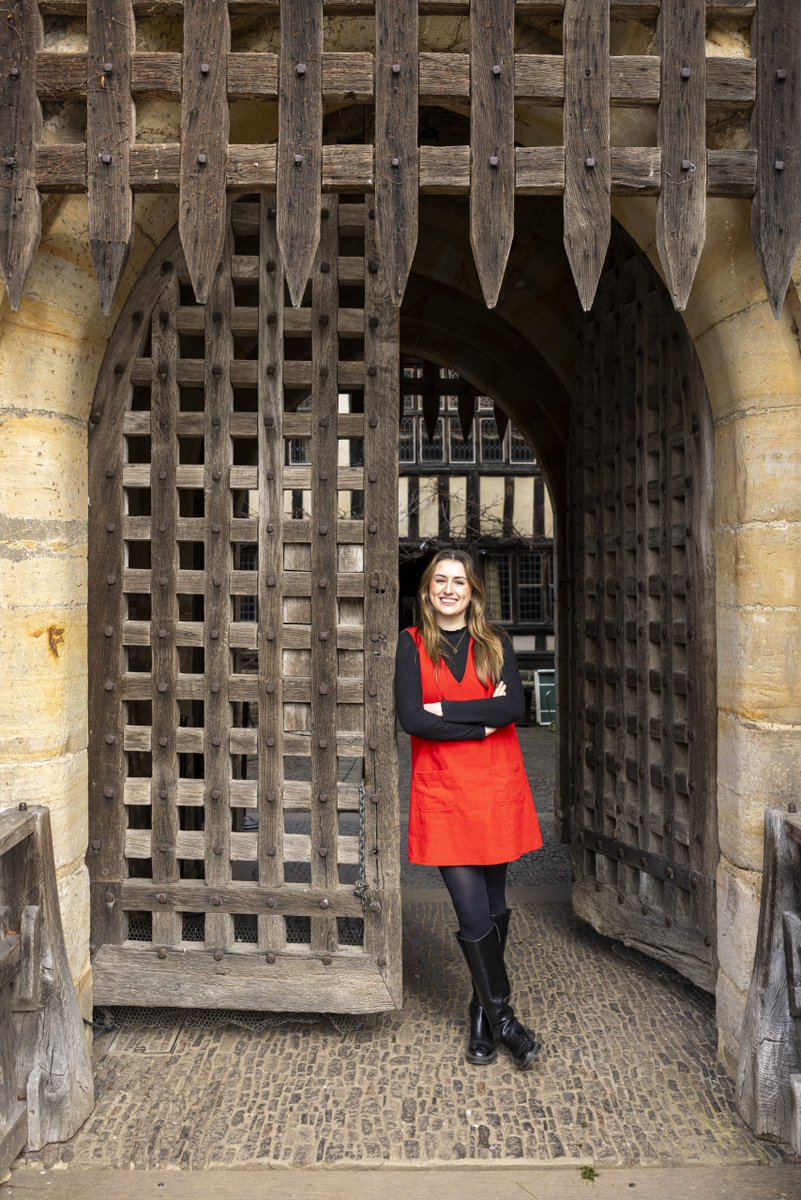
(770, 1053)
(20, 131)
(776, 211)
(109, 135)
(444, 170)
(218, 512)
(270, 737)
(164, 407)
(546, 8)
(192, 978)
(588, 178)
(202, 217)
(382, 914)
(444, 77)
(300, 136)
(396, 157)
(50, 1065)
(324, 563)
(681, 209)
(492, 129)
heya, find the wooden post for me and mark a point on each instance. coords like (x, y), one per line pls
(109, 134)
(768, 1091)
(776, 211)
(492, 125)
(681, 208)
(587, 206)
(20, 131)
(202, 218)
(300, 135)
(396, 157)
(43, 1051)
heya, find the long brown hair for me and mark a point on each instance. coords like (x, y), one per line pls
(487, 643)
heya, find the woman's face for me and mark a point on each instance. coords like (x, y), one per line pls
(450, 592)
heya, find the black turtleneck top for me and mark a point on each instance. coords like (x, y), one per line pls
(461, 720)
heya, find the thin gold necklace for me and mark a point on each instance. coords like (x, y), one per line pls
(450, 650)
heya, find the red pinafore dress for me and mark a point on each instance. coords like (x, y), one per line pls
(471, 803)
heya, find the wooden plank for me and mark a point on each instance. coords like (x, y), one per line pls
(681, 947)
(164, 405)
(681, 209)
(381, 811)
(621, 9)
(271, 930)
(444, 77)
(288, 982)
(492, 126)
(202, 216)
(300, 136)
(587, 205)
(396, 157)
(15, 826)
(324, 500)
(196, 896)
(20, 131)
(776, 211)
(109, 134)
(444, 170)
(218, 458)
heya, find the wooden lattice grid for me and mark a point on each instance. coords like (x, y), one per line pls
(301, 79)
(644, 769)
(242, 617)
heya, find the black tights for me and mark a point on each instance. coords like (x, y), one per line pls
(478, 895)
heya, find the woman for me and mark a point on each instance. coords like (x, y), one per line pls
(458, 694)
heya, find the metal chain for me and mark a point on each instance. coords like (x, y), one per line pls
(360, 887)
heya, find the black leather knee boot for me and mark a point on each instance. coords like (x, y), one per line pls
(485, 961)
(481, 1042)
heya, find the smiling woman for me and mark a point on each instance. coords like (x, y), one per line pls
(458, 694)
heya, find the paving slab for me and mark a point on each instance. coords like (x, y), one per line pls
(494, 1183)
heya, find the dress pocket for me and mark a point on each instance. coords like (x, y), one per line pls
(510, 784)
(433, 791)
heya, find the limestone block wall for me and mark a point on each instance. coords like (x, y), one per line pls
(50, 352)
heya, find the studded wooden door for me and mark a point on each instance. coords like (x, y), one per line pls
(244, 844)
(643, 727)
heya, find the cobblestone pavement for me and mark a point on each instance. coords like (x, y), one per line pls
(628, 1075)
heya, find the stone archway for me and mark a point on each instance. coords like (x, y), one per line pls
(51, 349)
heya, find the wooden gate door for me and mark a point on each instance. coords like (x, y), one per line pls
(244, 843)
(643, 710)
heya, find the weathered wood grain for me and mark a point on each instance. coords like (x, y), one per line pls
(642, 703)
(492, 127)
(324, 565)
(217, 716)
(202, 215)
(396, 157)
(587, 205)
(300, 129)
(20, 132)
(109, 134)
(164, 405)
(770, 1055)
(49, 1066)
(292, 982)
(776, 211)
(444, 77)
(681, 209)
(238, 897)
(270, 747)
(621, 9)
(381, 801)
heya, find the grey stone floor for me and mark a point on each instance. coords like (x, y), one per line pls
(628, 1075)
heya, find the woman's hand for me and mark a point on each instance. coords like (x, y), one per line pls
(500, 689)
(435, 708)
